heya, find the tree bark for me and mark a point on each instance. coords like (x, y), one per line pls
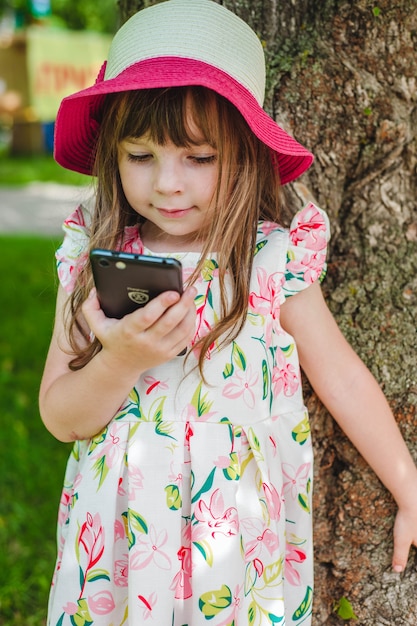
(342, 80)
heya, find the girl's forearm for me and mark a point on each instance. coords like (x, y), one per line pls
(78, 404)
(361, 410)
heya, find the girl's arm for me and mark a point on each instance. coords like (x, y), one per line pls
(78, 404)
(352, 395)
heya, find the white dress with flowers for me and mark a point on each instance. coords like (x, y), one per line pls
(193, 506)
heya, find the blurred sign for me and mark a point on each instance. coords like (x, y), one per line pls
(60, 63)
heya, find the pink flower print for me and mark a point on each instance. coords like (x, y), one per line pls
(222, 462)
(285, 379)
(91, 538)
(119, 530)
(121, 572)
(214, 519)
(273, 501)
(293, 555)
(310, 229)
(154, 383)
(64, 505)
(181, 583)
(131, 240)
(241, 385)
(148, 604)
(113, 448)
(188, 434)
(148, 550)
(101, 603)
(310, 266)
(267, 301)
(135, 480)
(70, 608)
(267, 227)
(262, 538)
(260, 303)
(296, 479)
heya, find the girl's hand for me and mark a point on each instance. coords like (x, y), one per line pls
(405, 535)
(147, 337)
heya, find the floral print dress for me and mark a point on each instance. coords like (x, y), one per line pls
(193, 505)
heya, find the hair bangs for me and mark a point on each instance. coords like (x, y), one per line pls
(183, 116)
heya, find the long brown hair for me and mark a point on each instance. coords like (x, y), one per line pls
(248, 190)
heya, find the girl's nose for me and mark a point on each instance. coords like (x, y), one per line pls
(168, 178)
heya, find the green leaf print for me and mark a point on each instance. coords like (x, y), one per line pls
(272, 572)
(228, 370)
(156, 410)
(97, 440)
(265, 380)
(206, 551)
(156, 413)
(238, 357)
(206, 487)
(101, 470)
(252, 613)
(75, 452)
(200, 402)
(259, 246)
(82, 617)
(305, 606)
(275, 619)
(303, 500)
(132, 408)
(288, 350)
(213, 602)
(301, 432)
(233, 471)
(137, 522)
(173, 497)
(133, 521)
(208, 269)
(98, 574)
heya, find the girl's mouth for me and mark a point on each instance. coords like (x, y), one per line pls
(173, 213)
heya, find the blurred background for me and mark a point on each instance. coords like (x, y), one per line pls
(48, 49)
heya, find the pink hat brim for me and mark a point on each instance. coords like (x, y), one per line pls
(78, 120)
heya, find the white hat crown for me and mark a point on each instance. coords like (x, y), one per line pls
(198, 29)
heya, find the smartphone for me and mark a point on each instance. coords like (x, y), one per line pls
(126, 281)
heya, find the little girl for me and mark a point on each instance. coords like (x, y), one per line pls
(187, 498)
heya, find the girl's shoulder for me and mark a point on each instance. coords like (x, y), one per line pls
(72, 255)
(309, 235)
(298, 252)
(309, 227)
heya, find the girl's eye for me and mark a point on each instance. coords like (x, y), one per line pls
(138, 158)
(202, 160)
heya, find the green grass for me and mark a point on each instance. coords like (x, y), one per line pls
(22, 170)
(32, 462)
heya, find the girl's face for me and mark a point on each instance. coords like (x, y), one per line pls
(172, 187)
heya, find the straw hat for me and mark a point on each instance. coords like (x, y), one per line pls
(178, 43)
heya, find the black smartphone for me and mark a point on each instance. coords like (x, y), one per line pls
(126, 281)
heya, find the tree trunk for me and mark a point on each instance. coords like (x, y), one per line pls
(342, 79)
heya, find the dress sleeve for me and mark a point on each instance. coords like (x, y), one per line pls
(72, 255)
(307, 249)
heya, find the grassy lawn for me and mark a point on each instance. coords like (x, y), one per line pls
(43, 168)
(31, 462)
